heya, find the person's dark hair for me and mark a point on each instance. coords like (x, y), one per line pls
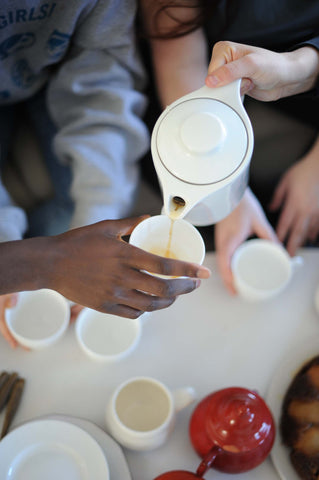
(202, 10)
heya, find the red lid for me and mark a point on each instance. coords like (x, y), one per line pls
(238, 419)
(235, 419)
(232, 430)
(178, 475)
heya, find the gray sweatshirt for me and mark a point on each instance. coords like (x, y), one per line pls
(84, 50)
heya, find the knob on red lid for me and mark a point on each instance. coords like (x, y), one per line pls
(236, 419)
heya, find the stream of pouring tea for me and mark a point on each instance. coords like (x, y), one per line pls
(167, 251)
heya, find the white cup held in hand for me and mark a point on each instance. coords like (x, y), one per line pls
(262, 269)
(141, 412)
(176, 239)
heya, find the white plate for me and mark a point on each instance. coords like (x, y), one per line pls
(51, 450)
(297, 356)
(115, 456)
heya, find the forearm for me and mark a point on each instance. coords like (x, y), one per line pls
(302, 69)
(312, 157)
(100, 131)
(315, 147)
(180, 65)
(26, 264)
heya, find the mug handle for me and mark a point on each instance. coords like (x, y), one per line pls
(207, 461)
(183, 397)
(296, 261)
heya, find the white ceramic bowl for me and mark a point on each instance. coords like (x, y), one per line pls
(39, 319)
(105, 337)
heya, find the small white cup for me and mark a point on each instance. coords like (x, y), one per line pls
(105, 337)
(141, 412)
(39, 319)
(262, 269)
(177, 239)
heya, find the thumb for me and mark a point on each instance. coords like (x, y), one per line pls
(11, 300)
(279, 195)
(265, 230)
(221, 76)
(230, 72)
(4, 331)
(224, 253)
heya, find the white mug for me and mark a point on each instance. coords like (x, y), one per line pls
(262, 269)
(162, 236)
(141, 412)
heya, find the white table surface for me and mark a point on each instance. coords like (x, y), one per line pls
(207, 339)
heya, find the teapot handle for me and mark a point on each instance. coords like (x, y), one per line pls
(229, 94)
(207, 461)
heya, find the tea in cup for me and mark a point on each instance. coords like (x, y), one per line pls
(262, 269)
(169, 238)
(141, 412)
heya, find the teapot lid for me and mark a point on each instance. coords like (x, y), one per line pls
(200, 140)
(235, 419)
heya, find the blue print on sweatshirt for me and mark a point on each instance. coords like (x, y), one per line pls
(15, 43)
(24, 15)
(22, 75)
(57, 43)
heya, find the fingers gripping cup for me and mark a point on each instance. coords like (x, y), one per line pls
(176, 239)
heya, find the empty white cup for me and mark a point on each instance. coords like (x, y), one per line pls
(262, 269)
(177, 239)
(39, 319)
(141, 412)
(107, 338)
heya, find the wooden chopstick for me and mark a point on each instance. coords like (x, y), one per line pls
(3, 377)
(12, 405)
(11, 389)
(6, 389)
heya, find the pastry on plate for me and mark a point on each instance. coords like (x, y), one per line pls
(299, 423)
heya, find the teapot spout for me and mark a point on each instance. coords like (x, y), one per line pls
(176, 207)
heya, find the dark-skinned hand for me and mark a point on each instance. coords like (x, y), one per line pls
(95, 267)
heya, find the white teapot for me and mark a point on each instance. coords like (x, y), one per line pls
(201, 148)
